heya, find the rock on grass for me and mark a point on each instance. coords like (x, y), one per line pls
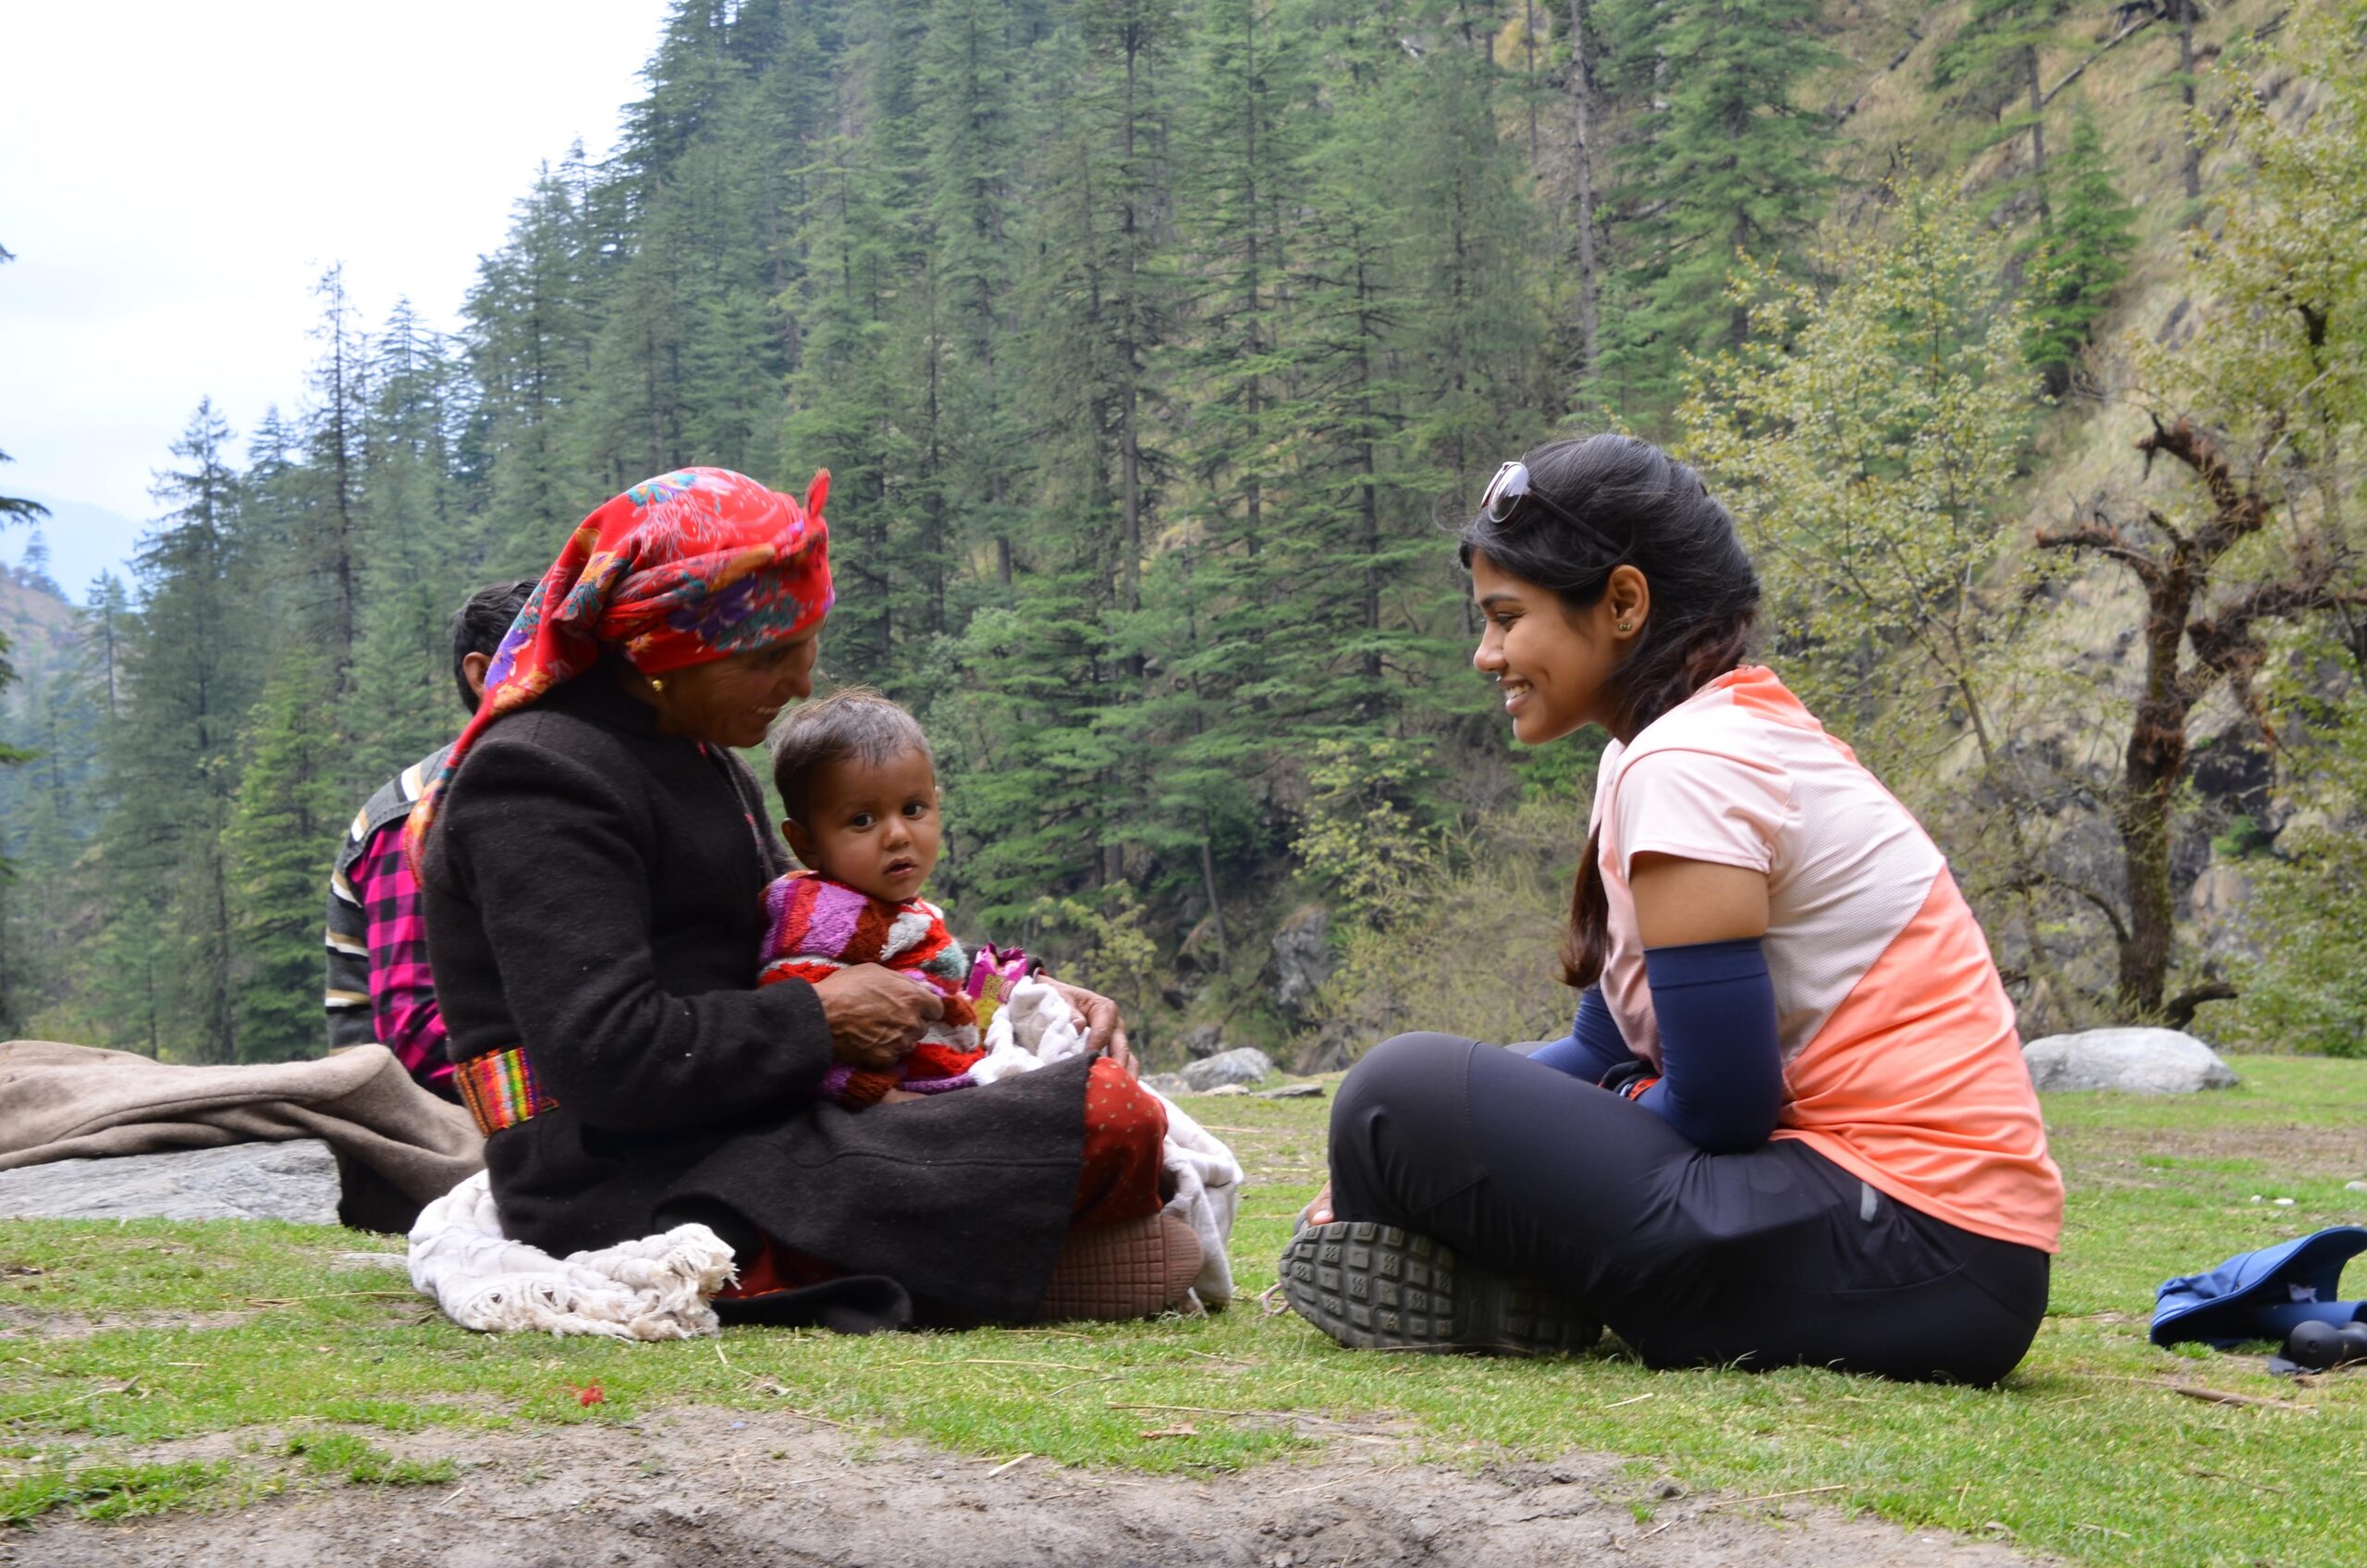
(294, 1180)
(2137, 1061)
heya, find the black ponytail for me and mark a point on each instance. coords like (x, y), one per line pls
(1614, 500)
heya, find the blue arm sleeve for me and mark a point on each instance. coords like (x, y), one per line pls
(1722, 1064)
(1592, 1048)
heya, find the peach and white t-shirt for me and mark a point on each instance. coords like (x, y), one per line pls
(1901, 1063)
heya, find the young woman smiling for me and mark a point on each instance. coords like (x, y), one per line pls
(1790, 1124)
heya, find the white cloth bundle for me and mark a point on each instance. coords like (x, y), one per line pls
(655, 1288)
(1034, 1028)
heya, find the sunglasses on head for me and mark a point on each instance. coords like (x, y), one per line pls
(1510, 489)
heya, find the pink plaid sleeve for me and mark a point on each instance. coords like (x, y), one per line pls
(403, 988)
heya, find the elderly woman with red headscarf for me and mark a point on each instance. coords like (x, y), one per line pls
(594, 856)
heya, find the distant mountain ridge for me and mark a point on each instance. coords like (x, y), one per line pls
(35, 621)
(84, 540)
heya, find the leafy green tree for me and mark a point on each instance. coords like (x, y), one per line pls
(1868, 438)
(2250, 523)
(2300, 984)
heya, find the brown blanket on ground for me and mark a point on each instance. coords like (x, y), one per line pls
(398, 1148)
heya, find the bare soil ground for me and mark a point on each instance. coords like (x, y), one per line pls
(720, 1489)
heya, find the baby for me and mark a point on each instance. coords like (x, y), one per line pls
(859, 784)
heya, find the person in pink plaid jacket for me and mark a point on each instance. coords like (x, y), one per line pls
(379, 986)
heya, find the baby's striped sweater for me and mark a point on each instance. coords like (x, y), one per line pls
(816, 927)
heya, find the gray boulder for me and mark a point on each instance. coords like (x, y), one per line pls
(294, 1180)
(1168, 1084)
(1247, 1065)
(2136, 1062)
(1303, 960)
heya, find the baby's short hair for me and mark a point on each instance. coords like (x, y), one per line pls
(856, 722)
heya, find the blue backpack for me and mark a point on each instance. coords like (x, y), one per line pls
(2261, 1295)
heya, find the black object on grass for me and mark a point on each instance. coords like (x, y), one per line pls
(2313, 1347)
(2316, 1347)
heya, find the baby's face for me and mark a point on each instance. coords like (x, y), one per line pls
(872, 826)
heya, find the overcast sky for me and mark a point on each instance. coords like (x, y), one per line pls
(174, 176)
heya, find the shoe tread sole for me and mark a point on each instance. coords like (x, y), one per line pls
(1377, 1287)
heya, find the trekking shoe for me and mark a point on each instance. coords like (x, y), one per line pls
(1375, 1287)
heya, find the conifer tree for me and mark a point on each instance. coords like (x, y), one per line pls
(1723, 161)
(50, 726)
(337, 455)
(2084, 257)
(1992, 66)
(532, 317)
(848, 405)
(13, 507)
(972, 127)
(1586, 125)
(172, 760)
(105, 608)
(417, 570)
(1209, 594)
(1361, 500)
(1472, 313)
(17, 508)
(281, 830)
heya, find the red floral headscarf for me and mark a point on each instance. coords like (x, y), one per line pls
(680, 570)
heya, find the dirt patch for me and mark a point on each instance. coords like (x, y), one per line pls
(719, 1489)
(2277, 1151)
(22, 1323)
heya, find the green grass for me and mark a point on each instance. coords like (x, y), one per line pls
(129, 1336)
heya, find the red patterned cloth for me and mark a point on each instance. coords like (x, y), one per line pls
(683, 569)
(1124, 1128)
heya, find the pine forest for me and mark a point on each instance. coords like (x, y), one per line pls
(1157, 347)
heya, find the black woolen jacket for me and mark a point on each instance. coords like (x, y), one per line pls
(594, 893)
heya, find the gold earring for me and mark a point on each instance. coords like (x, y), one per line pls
(657, 682)
(1624, 628)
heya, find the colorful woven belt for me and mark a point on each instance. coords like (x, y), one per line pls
(499, 1090)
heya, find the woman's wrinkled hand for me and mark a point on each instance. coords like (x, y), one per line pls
(875, 1015)
(1105, 1032)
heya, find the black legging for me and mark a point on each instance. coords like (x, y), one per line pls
(1770, 1258)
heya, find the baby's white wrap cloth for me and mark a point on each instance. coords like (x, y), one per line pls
(658, 1287)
